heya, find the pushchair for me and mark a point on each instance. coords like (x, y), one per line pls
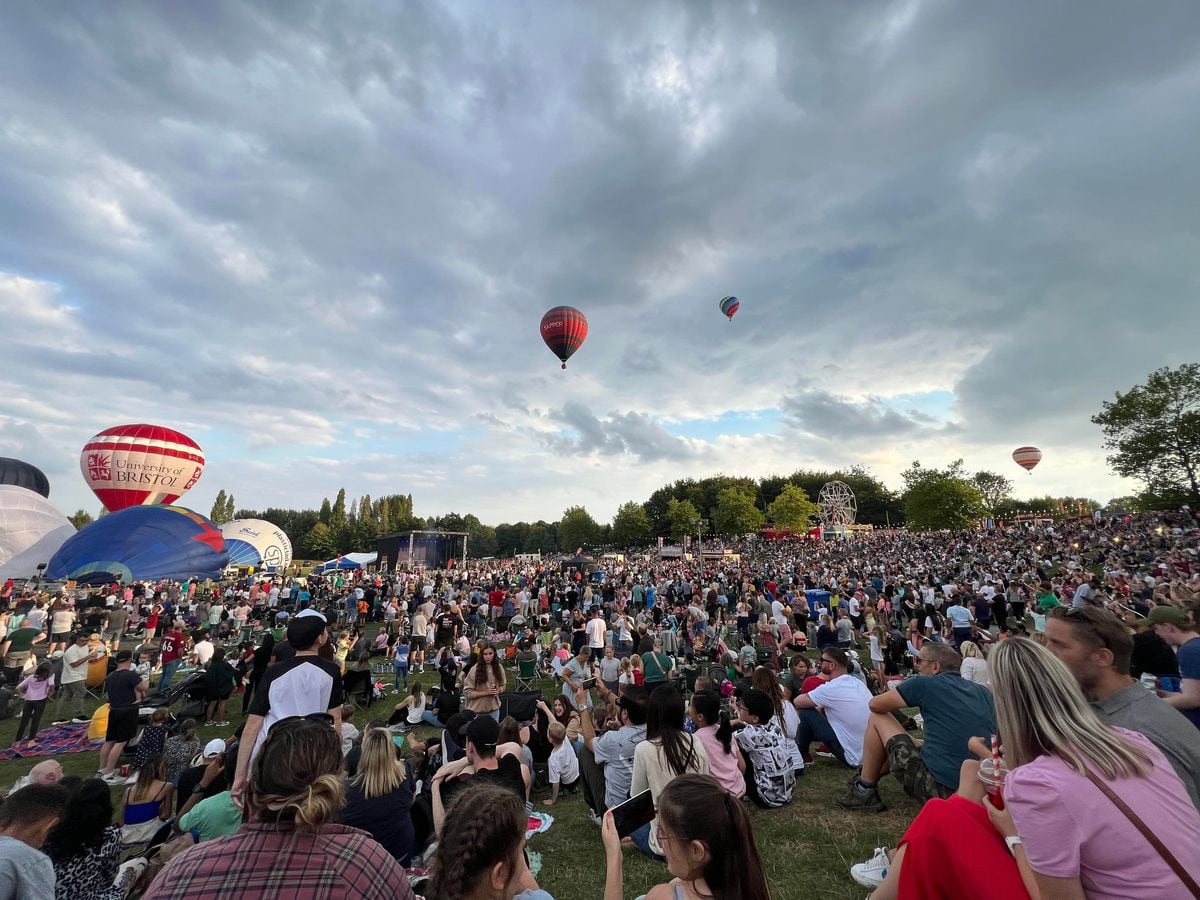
(190, 691)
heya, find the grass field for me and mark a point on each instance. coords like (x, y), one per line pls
(806, 847)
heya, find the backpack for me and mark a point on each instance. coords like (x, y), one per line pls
(509, 609)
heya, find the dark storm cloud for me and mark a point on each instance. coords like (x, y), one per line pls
(362, 210)
(618, 434)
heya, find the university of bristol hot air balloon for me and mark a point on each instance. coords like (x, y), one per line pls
(135, 465)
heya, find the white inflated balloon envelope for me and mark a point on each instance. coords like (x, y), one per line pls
(258, 543)
(28, 521)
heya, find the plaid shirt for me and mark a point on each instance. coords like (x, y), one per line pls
(264, 862)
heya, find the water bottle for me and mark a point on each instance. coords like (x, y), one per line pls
(1149, 682)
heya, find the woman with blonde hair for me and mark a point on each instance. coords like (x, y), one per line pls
(380, 796)
(291, 844)
(1077, 799)
(974, 666)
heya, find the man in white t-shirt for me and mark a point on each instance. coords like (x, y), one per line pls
(203, 650)
(596, 630)
(845, 701)
(777, 612)
(73, 687)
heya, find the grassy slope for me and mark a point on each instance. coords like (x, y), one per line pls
(806, 847)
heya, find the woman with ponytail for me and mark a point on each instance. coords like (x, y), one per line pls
(708, 841)
(290, 844)
(481, 853)
(713, 728)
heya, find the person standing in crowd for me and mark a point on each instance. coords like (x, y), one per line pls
(304, 685)
(125, 690)
(1096, 647)
(291, 845)
(173, 646)
(954, 711)
(73, 682)
(1172, 625)
(35, 690)
(484, 682)
(219, 681)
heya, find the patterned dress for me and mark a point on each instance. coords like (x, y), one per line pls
(89, 875)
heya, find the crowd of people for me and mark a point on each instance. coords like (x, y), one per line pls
(1035, 692)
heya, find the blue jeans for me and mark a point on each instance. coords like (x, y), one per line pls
(815, 727)
(401, 672)
(641, 840)
(429, 717)
(168, 672)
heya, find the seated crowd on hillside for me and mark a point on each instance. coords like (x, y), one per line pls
(1035, 693)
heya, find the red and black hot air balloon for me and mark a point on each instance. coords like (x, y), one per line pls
(564, 329)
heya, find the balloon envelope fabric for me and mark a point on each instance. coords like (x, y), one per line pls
(142, 543)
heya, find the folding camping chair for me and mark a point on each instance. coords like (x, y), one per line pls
(526, 673)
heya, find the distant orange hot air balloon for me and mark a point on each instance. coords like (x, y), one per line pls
(1027, 458)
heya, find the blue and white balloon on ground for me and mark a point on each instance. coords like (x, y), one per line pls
(257, 543)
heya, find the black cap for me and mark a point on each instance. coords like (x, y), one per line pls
(123, 656)
(484, 732)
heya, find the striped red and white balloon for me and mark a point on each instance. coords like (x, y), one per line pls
(1027, 457)
(134, 465)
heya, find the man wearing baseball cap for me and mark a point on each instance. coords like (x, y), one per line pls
(304, 685)
(1173, 625)
(488, 761)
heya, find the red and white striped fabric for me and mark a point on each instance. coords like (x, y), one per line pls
(132, 465)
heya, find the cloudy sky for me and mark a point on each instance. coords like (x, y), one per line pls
(319, 238)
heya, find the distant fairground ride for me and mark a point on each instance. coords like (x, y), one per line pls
(838, 506)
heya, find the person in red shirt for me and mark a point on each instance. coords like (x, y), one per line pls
(173, 646)
(496, 602)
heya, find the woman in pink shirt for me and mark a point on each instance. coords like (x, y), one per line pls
(1076, 841)
(36, 689)
(725, 762)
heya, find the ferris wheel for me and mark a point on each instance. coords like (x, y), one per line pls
(838, 507)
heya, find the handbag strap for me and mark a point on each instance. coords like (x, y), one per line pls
(1155, 841)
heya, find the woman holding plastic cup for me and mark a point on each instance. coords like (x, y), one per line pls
(1066, 836)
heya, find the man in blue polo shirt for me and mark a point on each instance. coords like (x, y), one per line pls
(954, 711)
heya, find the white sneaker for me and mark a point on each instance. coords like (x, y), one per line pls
(872, 872)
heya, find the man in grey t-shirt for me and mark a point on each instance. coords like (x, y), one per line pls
(606, 762)
(1096, 646)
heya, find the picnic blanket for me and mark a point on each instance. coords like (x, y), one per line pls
(53, 740)
(538, 822)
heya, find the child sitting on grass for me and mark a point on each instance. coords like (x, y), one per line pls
(563, 764)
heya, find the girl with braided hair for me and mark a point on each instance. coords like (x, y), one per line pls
(481, 853)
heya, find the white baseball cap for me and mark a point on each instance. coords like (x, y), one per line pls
(213, 748)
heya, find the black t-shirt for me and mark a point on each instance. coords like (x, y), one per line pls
(385, 818)
(507, 774)
(121, 687)
(445, 623)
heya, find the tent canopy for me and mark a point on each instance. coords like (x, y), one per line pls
(581, 563)
(349, 561)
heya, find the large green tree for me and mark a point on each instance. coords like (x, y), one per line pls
(939, 499)
(577, 528)
(319, 542)
(994, 488)
(735, 513)
(792, 510)
(682, 516)
(219, 507)
(631, 526)
(1153, 432)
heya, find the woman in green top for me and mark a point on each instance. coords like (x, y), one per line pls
(657, 666)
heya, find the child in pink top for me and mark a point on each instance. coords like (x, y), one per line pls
(36, 689)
